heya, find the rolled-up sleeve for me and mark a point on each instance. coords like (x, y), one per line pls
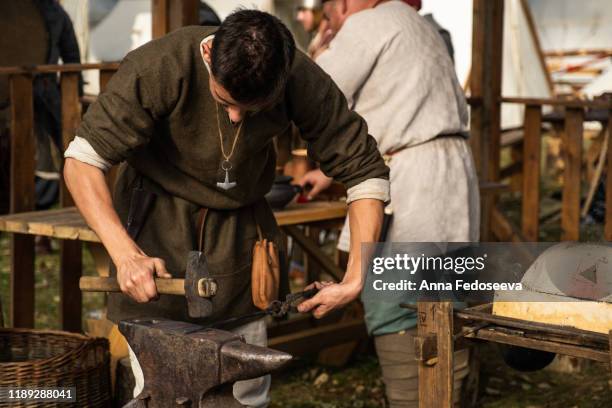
(123, 117)
(337, 138)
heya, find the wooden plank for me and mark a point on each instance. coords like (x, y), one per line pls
(569, 334)
(486, 75)
(71, 262)
(436, 375)
(312, 340)
(572, 157)
(311, 212)
(568, 103)
(46, 69)
(22, 198)
(68, 223)
(505, 336)
(608, 226)
(531, 173)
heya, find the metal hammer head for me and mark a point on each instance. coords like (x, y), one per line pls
(186, 364)
(199, 286)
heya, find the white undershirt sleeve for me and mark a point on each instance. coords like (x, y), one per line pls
(81, 150)
(374, 188)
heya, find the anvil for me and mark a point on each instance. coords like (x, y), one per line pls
(187, 365)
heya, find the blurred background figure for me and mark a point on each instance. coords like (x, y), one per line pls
(62, 45)
(310, 16)
(208, 16)
(444, 33)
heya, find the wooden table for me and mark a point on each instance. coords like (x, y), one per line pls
(68, 224)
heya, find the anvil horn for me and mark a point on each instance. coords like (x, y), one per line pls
(241, 361)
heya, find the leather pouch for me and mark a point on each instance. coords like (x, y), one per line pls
(265, 272)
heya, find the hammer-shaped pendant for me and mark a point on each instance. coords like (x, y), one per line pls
(226, 184)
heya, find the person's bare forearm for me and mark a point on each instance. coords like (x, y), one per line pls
(365, 221)
(91, 195)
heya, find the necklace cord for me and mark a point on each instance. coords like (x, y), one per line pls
(227, 157)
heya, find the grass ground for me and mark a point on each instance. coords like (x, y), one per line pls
(358, 385)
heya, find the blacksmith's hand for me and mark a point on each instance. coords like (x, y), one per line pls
(330, 296)
(317, 180)
(135, 274)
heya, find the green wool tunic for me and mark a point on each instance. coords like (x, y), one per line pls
(157, 116)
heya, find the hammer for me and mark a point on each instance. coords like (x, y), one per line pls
(198, 286)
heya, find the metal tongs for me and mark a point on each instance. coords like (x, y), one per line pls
(277, 308)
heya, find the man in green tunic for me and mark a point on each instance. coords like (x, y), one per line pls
(191, 118)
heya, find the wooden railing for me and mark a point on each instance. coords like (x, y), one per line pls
(572, 141)
(22, 195)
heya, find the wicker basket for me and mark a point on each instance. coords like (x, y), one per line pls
(46, 358)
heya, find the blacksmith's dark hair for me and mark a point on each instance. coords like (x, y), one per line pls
(252, 54)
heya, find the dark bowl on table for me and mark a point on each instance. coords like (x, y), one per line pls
(282, 192)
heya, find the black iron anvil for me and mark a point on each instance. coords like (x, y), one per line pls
(187, 365)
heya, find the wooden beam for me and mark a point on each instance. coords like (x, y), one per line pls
(71, 262)
(610, 336)
(608, 226)
(168, 15)
(568, 103)
(71, 117)
(531, 172)
(316, 339)
(159, 18)
(49, 69)
(572, 157)
(538, 45)
(435, 321)
(486, 78)
(314, 251)
(105, 76)
(505, 336)
(23, 151)
(183, 13)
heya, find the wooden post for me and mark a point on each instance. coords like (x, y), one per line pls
(434, 351)
(531, 172)
(485, 86)
(70, 251)
(23, 150)
(610, 341)
(168, 15)
(572, 157)
(105, 76)
(608, 227)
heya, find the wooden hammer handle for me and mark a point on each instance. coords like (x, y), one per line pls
(100, 284)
